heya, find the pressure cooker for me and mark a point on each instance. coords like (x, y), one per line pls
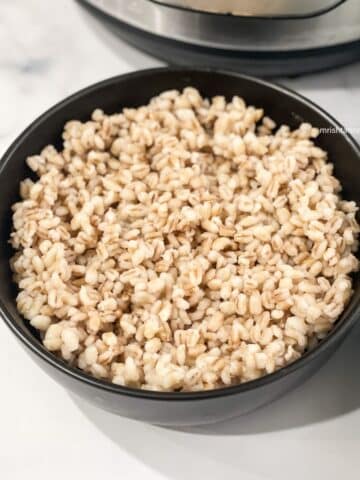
(263, 37)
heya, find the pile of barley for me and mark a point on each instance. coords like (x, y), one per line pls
(183, 245)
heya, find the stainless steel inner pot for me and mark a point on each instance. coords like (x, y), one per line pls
(339, 26)
(258, 8)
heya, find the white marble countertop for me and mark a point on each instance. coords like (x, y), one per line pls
(48, 50)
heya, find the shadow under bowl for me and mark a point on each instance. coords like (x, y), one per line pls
(132, 90)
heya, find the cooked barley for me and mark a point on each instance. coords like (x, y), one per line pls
(184, 245)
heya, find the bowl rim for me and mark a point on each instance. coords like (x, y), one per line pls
(39, 350)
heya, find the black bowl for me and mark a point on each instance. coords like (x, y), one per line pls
(136, 89)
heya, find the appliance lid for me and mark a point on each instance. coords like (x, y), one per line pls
(257, 8)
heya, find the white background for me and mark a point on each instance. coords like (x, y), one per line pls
(49, 49)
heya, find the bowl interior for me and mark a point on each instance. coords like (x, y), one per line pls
(134, 90)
